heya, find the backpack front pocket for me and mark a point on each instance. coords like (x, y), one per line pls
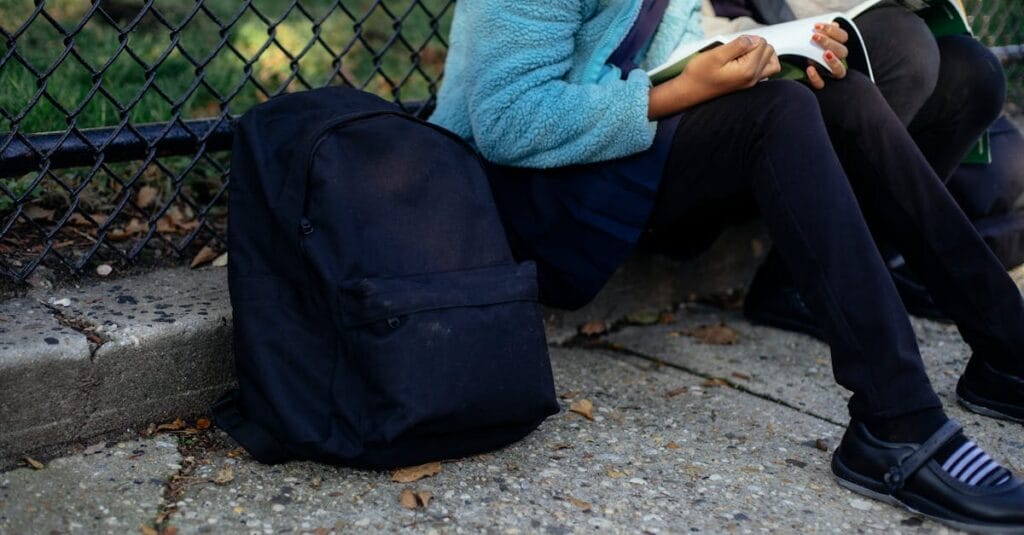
(446, 353)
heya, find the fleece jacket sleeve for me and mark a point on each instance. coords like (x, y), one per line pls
(522, 109)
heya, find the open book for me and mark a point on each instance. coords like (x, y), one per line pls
(793, 44)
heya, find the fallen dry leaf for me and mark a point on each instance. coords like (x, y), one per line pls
(414, 500)
(237, 452)
(134, 227)
(672, 446)
(407, 499)
(315, 482)
(558, 447)
(177, 425)
(205, 255)
(719, 335)
(615, 474)
(203, 423)
(170, 530)
(582, 505)
(38, 213)
(714, 382)
(667, 318)
(34, 463)
(165, 225)
(593, 328)
(415, 473)
(584, 408)
(569, 395)
(146, 196)
(741, 375)
(147, 530)
(220, 261)
(677, 392)
(224, 476)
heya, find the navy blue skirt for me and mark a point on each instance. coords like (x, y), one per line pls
(580, 223)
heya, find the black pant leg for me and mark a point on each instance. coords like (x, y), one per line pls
(968, 98)
(904, 57)
(771, 140)
(906, 203)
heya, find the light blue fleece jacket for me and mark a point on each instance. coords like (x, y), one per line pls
(526, 81)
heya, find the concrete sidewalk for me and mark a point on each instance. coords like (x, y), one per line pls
(686, 436)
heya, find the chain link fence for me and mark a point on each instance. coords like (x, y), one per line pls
(115, 114)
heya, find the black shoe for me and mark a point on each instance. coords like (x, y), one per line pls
(915, 296)
(907, 475)
(984, 390)
(772, 300)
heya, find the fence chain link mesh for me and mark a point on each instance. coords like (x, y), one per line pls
(114, 114)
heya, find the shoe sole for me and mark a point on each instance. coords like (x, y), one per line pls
(985, 411)
(894, 501)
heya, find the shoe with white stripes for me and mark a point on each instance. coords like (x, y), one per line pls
(968, 490)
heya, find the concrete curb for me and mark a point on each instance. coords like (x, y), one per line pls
(76, 363)
(114, 355)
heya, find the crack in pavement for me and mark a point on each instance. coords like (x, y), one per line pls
(79, 324)
(585, 343)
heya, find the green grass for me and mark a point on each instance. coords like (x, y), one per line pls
(193, 91)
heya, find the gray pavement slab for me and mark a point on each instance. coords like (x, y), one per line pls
(796, 370)
(114, 490)
(710, 459)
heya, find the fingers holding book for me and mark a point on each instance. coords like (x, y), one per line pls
(832, 38)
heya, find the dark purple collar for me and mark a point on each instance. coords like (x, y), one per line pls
(651, 13)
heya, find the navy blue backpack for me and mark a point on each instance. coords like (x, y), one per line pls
(379, 317)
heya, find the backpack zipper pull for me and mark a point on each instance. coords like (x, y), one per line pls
(305, 227)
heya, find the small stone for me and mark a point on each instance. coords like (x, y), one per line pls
(66, 302)
(104, 269)
(860, 505)
(715, 477)
(277, 508)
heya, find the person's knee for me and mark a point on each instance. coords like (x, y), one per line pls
(786, 101)
(855, 104)
(971, 73)
(905, 57)
(918, 56)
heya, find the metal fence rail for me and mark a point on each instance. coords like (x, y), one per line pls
(115, 114)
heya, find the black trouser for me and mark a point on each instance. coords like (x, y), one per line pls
(788, 146)
(947, 91)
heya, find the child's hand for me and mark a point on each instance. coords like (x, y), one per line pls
(833, 39)
(736, 65)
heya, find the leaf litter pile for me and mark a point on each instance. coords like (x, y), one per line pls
(196, 442)
(112, 219)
